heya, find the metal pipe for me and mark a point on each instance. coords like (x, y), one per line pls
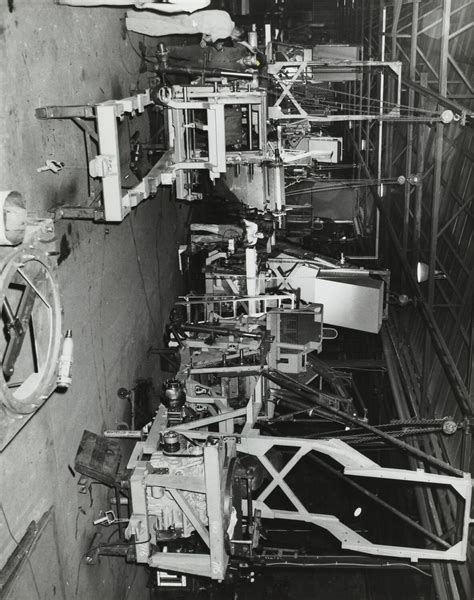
(180, 70)
(410, 129)
(446, 102)
(394, 379)
(381, 99)
(291, 558)
(360, 488)
(250, 126)
(287, 382)
(221, 331)
(248, 481)
(426, 511)
(117, 502)
(420, 166)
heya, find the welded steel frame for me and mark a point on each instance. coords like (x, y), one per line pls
(106, 164)
(434, 79)
(446, 360)
(218, 456)
(182, 102)
(223, 445)
(180, 160)
(405, 153)
(442, 17)
(209, 304)
(355, 464)
(286, 74)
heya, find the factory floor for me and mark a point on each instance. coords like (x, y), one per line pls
(117, 283)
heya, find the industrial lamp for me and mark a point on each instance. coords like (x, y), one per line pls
(423, 273)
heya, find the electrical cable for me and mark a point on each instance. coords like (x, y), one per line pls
(372, 99)
(374, 110)
(223, 235)
(370, 440)
(387, 102)
(142, 277)
(316, 189)
(106, 545)
(132, 73)
(289, 416)
(289, 383)
(338, 564)
(418, 425)
(157, 253)
(334, 104)
(94, 548)
(139, 54)
(340, 184)
(102, 379)
(390, 105)
(130, 585)
(25, 552)
(334, 183)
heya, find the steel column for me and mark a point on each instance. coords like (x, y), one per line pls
(449, 366)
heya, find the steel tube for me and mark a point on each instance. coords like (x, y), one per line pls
(395, 385)
(180, 70)
(360, 488)
(306, 392)
(221, 331)
(440, 99)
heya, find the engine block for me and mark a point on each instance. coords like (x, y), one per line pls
(165, 517)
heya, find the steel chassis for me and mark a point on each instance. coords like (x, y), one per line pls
(180, 160)
(220, 447)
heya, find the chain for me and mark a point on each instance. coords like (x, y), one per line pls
(417, 427)
(417, 421)
(396, 434)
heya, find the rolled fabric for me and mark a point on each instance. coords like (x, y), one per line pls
(172, 6)
(216, 24)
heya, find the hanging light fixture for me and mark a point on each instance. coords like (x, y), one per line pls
(423, 273)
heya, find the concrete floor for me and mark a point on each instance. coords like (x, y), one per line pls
(117, 284)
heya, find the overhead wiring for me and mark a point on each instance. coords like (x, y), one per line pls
(372, 99)
(385, 102)
(375, 110)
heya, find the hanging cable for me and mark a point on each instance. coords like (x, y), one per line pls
(370, 99)
(308, 393)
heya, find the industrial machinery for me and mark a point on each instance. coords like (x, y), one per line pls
(214, 468)
(209, 475)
